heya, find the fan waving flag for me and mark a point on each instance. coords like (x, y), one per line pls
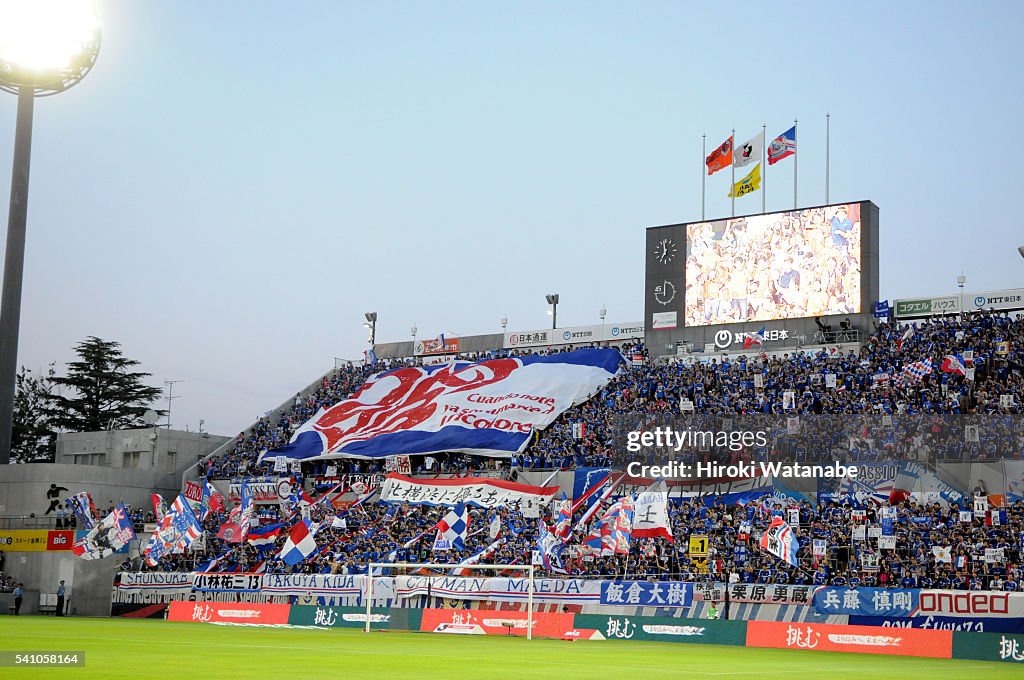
(176, 532)
(212, 501)
(159, 506)
(83, 508)
(563, 524)
(650, 513)
(782, 146)
(550, 548)
(953, 363)
(451, 530)
(720, 158)
(490, 407)
(300, 544)
(263, 537)
(780, 541)
(749, 151)
(754, 338)
(107, 537)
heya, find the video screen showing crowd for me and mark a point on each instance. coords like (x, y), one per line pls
(915, 372)
(776, 266)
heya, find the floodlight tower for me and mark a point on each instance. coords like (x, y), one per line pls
(46, 46)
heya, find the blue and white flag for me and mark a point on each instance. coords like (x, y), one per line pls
(780, 541)
(178, 529)
(491, 407)
(550, 548)
(451, 530)
(82, 507)
(107, 537)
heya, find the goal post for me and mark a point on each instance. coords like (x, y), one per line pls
(529, 568)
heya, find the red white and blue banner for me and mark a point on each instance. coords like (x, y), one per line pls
(489, 408)
(178, 529)
(780, 541)
(481, 492)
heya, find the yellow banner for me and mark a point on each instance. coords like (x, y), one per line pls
(748, 184)
(23, 540)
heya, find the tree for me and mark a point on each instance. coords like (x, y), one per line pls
(32, 438)
(100, 391)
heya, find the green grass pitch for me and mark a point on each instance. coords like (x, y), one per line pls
(131, 648)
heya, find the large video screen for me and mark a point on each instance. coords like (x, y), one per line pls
(775, 266)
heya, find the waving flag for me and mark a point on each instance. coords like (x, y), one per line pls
(237, 527)
(479, 556)
(752, 339)
(212, 501)
(650, 513)
(107, 537)
(749, 184)
(749, 151)
(907, 334)
(490, 407)
(550, 547)
(780, 541)
(953, 363)
(159, 506)
(782, 146)
(176, 532)
(563, 524)
(495, 528)
(300, 544)
(265, 536)
(917, 371)
(613, 532)
(452, 529)
(83, 508)
(720, 157)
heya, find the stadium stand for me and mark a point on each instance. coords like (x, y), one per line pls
(884, 377)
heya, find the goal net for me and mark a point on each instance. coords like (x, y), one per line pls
(439, 571)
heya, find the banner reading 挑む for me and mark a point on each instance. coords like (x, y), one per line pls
(491, 407)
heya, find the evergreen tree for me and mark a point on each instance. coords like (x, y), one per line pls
(100, 391)
(32, 438)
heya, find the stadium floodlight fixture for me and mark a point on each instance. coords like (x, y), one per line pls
(961, 280)
(602, 313)
(46, 46)
(552, 299)
(504, 321)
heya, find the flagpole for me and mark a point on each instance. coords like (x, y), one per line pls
(703, 160)
(732, 187)
(795, 157)
(827, 117)
(764, 177)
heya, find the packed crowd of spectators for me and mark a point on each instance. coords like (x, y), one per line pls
(856, 405)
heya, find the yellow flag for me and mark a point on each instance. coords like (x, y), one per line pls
(748, 184)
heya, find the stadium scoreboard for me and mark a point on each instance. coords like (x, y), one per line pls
(714, 283)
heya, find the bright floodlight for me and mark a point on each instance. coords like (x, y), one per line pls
(48, 45)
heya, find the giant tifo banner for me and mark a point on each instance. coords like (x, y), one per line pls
(824, 637)
(479, 491)
(490, 408)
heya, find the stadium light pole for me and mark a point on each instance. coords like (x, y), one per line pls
(601, 313)
(371, 324)
(960, 281)
(504, 321)
(552, 299)
(46, 47)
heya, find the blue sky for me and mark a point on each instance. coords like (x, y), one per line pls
(236, 183)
